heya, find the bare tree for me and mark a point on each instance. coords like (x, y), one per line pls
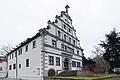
(101, 64)
(5, 49)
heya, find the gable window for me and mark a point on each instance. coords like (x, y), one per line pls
(51, 60)
(57, 61)
(26, 48)
(14, 66)
(27, 62)
(69, 30)
(34, 44)
(62, 46)
(69, 39)
(78, 64)
(59, 34)
(10, 67)
(20, 51)
(53, 43)
(77, 52)
(0, 68)
(65, 27)
(65, 47)
(74, 42)
(19, 65)
(65, 36)
(73, 64)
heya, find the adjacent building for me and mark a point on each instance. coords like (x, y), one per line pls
(3, 66)
(52, 50)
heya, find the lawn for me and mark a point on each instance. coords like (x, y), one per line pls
(93, 77)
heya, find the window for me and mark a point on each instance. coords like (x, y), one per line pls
(57, 61)
(10, 67)
(19, 65)
(12, 55)
(73, 64)
(74, 42)
(0, 68)
(59, 34)
(26, 48)
(77, 52)
(65, 47)
(53, 43)
(62, 46)
(51, 60)
(69, 39)
(78, 64)
(16, 54)
(20, 51)
(14, 66)
(27, 62)
(65, 36)
(34, 44)
(65, 27)
(69, 30)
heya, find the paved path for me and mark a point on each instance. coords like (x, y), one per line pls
(8, 79)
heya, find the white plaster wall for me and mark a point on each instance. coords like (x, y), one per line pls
(34, 56)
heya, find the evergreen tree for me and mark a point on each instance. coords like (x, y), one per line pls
(112, 49)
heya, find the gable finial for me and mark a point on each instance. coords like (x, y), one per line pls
(67, 8)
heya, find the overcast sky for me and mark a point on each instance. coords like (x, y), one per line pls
(92, 19)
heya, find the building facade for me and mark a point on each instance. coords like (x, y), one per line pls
(52, 50)
(3, 66)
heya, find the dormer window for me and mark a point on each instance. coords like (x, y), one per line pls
(56, 21)
(61, 15)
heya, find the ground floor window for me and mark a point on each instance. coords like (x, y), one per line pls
(14, 66)
(10, 67)
(78, 64)
(0, 68)
(73, 64)
(51, 60)
(57, 61)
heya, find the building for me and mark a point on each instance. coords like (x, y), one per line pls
(52, 50)
(3, 66)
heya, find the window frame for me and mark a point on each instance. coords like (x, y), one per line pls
(57, 61)
(34, 44)
(27, 62)
(51, 60)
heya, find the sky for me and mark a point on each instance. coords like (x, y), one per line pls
(92, 19)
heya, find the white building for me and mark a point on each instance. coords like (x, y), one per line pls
(52, 50)
(3, 66)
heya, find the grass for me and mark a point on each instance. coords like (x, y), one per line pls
(93, 77)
